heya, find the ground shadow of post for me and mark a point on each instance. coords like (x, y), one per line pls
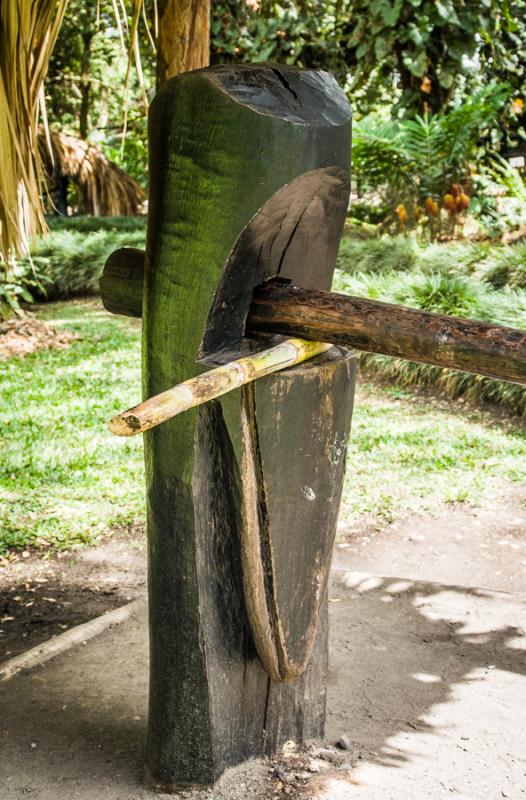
(398, 649)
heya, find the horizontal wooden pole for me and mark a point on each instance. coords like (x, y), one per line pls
(212, 384)
(468, 345)
(376, 327)
(121, 283)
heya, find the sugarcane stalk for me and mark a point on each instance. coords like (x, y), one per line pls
(212, 384)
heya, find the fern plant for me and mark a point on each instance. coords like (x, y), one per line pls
(407, 161)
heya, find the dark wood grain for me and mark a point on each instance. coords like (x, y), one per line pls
(371, 325)
(122, 282)
(249, 172)
(469, 345)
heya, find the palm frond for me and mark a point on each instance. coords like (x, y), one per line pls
(28, 32)
(422, 156)
(104, 189)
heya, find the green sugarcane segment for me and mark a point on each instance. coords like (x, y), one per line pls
(212, 384)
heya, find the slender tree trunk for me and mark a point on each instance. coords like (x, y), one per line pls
(184, 37)
(87, 36)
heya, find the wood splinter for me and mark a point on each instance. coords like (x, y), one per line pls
(212, 384)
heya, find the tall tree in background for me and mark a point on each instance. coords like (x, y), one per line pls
(415, 54)
(28, 31)
(428, 48)
(183, 41)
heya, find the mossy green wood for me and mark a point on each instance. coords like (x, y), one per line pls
(223, 143)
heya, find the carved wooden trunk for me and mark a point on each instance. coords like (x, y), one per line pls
(249, 176)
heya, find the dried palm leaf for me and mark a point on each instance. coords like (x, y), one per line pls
(28, 31)
(104, 189)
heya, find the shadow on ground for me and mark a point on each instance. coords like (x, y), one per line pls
(425, 681)
(429, 679)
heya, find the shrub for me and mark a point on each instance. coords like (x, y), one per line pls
(415, 164)
(445, 291)
(498, 265)
(378, 255)
(85, 224)
(18, 286)
(443, 294)
(69, 260)
(506, 266)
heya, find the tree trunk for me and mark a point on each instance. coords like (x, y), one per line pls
(249, 179)
(87, 36)
(184, 37)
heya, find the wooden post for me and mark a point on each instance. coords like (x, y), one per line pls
(249, 177)
(249, 183)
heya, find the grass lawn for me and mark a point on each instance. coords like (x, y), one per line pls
(410, 453)
(64, 479)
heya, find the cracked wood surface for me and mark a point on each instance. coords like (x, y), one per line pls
(249, 176)
(483, 348)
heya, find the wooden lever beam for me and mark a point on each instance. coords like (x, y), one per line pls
(357, 322)
(463, 344)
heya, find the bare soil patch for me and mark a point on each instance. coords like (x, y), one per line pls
(459, 544)
(42, 595)
(21, 336)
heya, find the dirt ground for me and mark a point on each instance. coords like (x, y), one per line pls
(427, 685)
(41, 596)
(20, 336)
(484, 547)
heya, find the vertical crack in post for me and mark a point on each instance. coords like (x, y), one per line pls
(258, 568)
(265, 716)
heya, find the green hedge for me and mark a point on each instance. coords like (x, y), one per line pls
(457, 279)
(470, 279)
(68, 261)
(497, 264)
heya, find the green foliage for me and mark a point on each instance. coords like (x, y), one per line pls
(388, 254)
(411, 454)
(382, 51)
(444, 294)
(85, 85)
(430, 48)
(69, 260)
(20, 286)
(302, 33)
(412, 159)
(420, 53)
(507, 267)
(64, 479)
(511, 205)
(500, 196)
(86, 224)
(455, 279)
